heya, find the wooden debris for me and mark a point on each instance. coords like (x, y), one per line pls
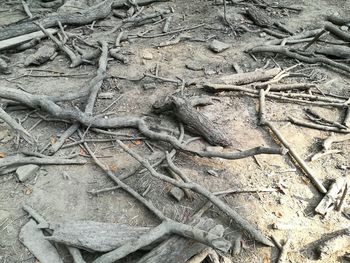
(16, 41)
(327, 143)
(337, 32)
(340, 21)
(259, 17)
(330, 200)
(342, 52)
(94, 236)
(42, 55)
(33, 238)
(334, 244)
(194, 120)
(179, 249)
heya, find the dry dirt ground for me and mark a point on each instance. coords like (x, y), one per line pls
(61, 192)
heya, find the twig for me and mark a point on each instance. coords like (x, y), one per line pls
(26, 9)
(173, 32)
(16, 126)
(316, 126)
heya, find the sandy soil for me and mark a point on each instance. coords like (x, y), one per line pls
(59, 198)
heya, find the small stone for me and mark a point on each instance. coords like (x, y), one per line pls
(26, 171)
(177, 193)
(218, 46)
(106, 95)
(147, 55)
(194, 66)
(344, 28)
(262, 34)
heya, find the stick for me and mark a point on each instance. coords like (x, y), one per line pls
(312, 60)
(283, 257)
(26, 9)
(291, 151)
(243, 223)
(316, 126)
(69, 132)
(18, 128)
(337, 32)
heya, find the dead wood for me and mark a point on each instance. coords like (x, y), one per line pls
(342, 52)
(16, 127)
(340, 21)
(33, 238)
(330, 200)
(316, 126)
(168, 224)
(272, 87)
(240, 221)
(76, 255)
(123, 3)
(301, 163)
(250, 77)
(317, 118)
(307, 59)
(194, 120)
(42, 55)
(303, 35)
(327, 143)
(337, 32)
(179, 249)
(10, 163)
(99, 11)
(165, 228)
(59, 143)
(259, 17)
(23, 39)
(334, 244)
(94, 236)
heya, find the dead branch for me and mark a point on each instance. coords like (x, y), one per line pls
(11, 162)
(337, 32)
(342, 52)
(340, 21)
(243, 223)
(305, 34)
(327, 143)
(316, 126)
(18, 128)
(312, 60)
(330, 200)
(305, 168)
(59, 143)
(96, 12)
(334, 244)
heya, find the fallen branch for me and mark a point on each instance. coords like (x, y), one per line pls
(243, 223)
(337, 32)
(316, 126)
(312, 60)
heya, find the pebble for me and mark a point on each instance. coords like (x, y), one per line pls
(147, 55)
(26, 171)
(344, 28)
(177, 193)
(218, 46)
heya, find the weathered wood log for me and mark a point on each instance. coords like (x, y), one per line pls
(179, 249)
(33, 238)
(334, 244)
(340, 21)
(194, 120)
(259, 17)
(15, 41)
(335, 51)
(95, 236)
(329, 201)
(83, 17)
(337, 32)
(250, 77)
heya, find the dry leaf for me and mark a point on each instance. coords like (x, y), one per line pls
(2, 155)
(53, 140)
(266, 259)
(137, 142)
(113, 167)
(278, 214)
(28, 191)
(83, 152)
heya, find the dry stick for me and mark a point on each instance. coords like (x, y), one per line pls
(312, 60)
(305, 34)
(167, 227)
(18, 128)
(243, 223)
(26, 9)
(296, 157)
(172, 32)
(314, 39)
(337, 32)
(75, 60)
(59, 143)
(44, 224)
(316, 126)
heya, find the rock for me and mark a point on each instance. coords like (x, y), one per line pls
(218, 46)
(177, 193)
(344, 28)
(33, 238)
(42, 55)
(262, 34)
(3, 66)
(26, 171)
(195, 66)
(147, 55)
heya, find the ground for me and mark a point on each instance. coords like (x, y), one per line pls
(61, 192)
